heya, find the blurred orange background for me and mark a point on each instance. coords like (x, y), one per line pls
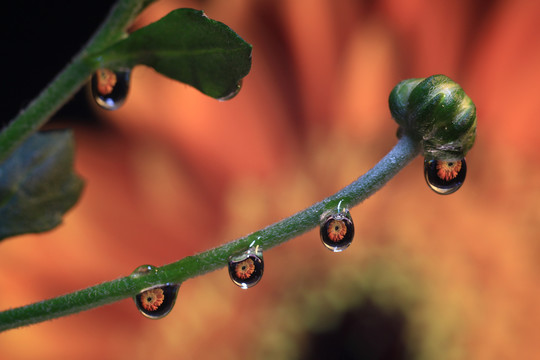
(173, 173)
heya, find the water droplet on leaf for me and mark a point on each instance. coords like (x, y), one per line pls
(157, 301)
(233, 92)
(247, 268)
(445, 177)
(337, 230)
(110, 88)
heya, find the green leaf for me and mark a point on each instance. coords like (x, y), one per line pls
(189, 47)
(37, 184)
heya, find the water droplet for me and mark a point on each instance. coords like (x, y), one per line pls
(157, 301)
(246, 269)
(445, 177)
(143, 270)
(110, 88)
(233, 92)
(337, 230)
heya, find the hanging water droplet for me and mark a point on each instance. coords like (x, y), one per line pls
(110, 88)
(232, 93)
(157, 301)
(337, 230)
(445, 177)
(247, 268)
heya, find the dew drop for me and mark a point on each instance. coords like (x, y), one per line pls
(110, 88)
(247, 268)
(337, 230)
(143, 270)
(445, 177)
(232, 93)
(157, 301)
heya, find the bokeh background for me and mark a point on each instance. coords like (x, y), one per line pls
(173, 173)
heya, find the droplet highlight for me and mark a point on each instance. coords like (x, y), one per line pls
(157, 301)
(110, 88)
(445, 177)
(337, 230)
(232, 93)
(246, 269)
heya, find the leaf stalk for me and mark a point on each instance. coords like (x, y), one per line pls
(178, 272)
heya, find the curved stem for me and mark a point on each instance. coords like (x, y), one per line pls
(191, 266)
(70, 79)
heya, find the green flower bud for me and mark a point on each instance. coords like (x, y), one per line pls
(436, 112)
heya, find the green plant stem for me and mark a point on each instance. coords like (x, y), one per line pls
(70, 79)
(191, 266)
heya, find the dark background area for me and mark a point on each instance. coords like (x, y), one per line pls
(38, 39)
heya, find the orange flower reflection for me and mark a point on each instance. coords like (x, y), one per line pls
(173, 159)
(337, 230)
(245, 269)
(106, 80)
(152, 299)
(448, 170)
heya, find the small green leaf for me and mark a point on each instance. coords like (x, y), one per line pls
(187, 46)
(37, 184)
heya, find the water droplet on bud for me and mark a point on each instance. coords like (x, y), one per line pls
(110, 88)
(157, 301)
(445, 177)
(337, 230)
(233, 92)
(247, 268)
